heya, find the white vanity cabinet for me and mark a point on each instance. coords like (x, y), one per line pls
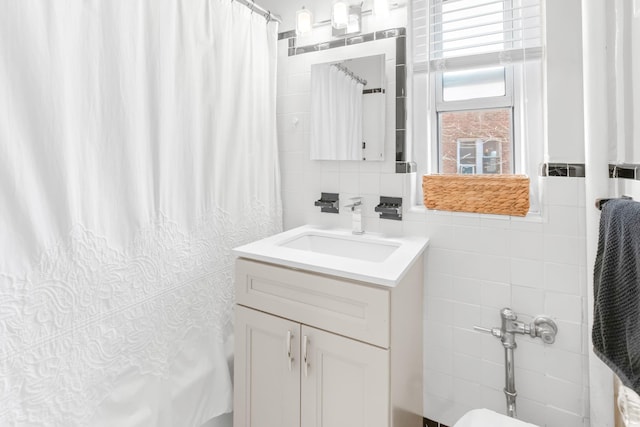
(343, 382)
(315, 350)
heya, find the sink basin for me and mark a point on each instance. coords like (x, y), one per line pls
(371, 257)
(365, 250)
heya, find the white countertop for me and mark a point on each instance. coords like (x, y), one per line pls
(388, 272)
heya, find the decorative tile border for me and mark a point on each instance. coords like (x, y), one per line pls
(287, 34)
(620, 170)
(347, 41)
(572, 170)
(625, 170)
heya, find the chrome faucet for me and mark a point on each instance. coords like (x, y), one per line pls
(356, 215)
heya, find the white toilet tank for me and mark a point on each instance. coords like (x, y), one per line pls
(488, 418)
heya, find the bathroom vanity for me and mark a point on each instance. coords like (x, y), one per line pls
(328, 330)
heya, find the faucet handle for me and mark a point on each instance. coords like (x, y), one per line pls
(355, 201)
(390, 208)
(329, 202)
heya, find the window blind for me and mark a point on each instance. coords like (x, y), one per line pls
(458, 34)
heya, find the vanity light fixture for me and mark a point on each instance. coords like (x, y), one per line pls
(339, 15)
(381, 8)
(346, 18)
(304, 21)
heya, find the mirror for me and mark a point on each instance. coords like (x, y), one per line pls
(348, 109)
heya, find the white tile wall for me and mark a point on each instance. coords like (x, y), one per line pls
(476, 264)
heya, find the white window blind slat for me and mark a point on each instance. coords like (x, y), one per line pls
(482, 60)
(486, 46)
(504, 39)
(499, 18)
(466, 6)
(453, 2)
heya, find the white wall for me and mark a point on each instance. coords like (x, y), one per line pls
(564, 81)
(624, 64)
(476, 264)
(635, 69)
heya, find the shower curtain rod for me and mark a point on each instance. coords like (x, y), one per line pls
(350, 73)
(261, 10)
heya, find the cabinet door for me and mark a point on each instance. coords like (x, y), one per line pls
(345, 383)
(266, 370)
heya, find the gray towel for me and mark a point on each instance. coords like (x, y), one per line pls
(616, 280)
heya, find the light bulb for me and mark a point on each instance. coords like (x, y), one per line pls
(340, 15)
(303, 21)
(381, 8)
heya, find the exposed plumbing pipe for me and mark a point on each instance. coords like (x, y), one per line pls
(542, 326)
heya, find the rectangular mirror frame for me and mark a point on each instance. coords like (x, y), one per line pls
(403, 164)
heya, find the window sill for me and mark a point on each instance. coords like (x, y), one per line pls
(422, 211)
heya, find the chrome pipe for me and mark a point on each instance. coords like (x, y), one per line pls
(510, 382)
(509, 328)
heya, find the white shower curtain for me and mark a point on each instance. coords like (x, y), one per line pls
(336, 114)
(137, 146)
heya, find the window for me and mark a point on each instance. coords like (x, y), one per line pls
(474, 157)
(479, 62)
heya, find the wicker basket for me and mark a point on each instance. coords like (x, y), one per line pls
(491, 194)
(629, 406)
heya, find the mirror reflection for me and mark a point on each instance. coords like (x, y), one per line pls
(348, 109)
